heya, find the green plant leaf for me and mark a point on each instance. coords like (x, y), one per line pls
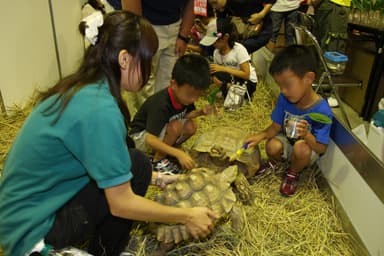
(357, 4)
(318, 117)
(212, 95)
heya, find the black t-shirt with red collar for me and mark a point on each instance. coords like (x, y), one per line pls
(158, 110)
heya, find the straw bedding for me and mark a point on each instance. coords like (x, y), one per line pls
(305, 224)
(9, 127)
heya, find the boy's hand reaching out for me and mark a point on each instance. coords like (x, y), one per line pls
(185, 160)
(254, 140)
(209, 109)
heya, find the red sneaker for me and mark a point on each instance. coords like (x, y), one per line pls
(289, 183)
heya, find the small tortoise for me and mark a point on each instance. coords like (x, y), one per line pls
(215, 148)
(200, 187)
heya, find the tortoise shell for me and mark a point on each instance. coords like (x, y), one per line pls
(215, 149)
(201, 187)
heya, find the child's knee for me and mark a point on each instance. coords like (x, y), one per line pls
(189, 128)
(174, 127)
(274, 147)
(302, 150)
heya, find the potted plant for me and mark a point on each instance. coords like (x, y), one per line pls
(368, 13)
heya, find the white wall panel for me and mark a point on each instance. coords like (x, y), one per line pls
(363, 208)
(67, 16)
(27, 50)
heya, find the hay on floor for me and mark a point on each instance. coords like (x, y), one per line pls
(305, 224)
(9, 127)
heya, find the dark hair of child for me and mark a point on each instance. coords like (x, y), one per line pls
(225, 26)
(192, 69)
(297, 58)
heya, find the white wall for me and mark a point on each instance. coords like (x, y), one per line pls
(363, 207)
(28, 58)
(27, 47)
(67, 16)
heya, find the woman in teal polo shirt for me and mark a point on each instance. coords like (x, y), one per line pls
(70, 175)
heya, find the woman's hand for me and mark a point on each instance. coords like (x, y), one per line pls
(201, 222)
(185, 160)
(162, 180)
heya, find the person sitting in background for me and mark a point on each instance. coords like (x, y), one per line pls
(201, 23)
(70, 177)
(294, 71)
(165, 120)
(231, 61)
(250, 11)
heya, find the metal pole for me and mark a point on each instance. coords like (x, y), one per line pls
(2, 105)
(55, 39)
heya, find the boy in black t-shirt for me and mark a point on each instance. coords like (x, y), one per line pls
(166, 118)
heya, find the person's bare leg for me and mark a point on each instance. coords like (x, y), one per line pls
(274, 149)
(189, 129)
(173, 131)
(301, 156)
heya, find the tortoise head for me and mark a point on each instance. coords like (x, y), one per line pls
(217, 152)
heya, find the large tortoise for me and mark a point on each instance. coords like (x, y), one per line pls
(215, 149)
(199, 187)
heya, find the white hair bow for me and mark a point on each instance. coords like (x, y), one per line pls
(93, 22)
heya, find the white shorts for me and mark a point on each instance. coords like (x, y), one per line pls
(139, 138)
